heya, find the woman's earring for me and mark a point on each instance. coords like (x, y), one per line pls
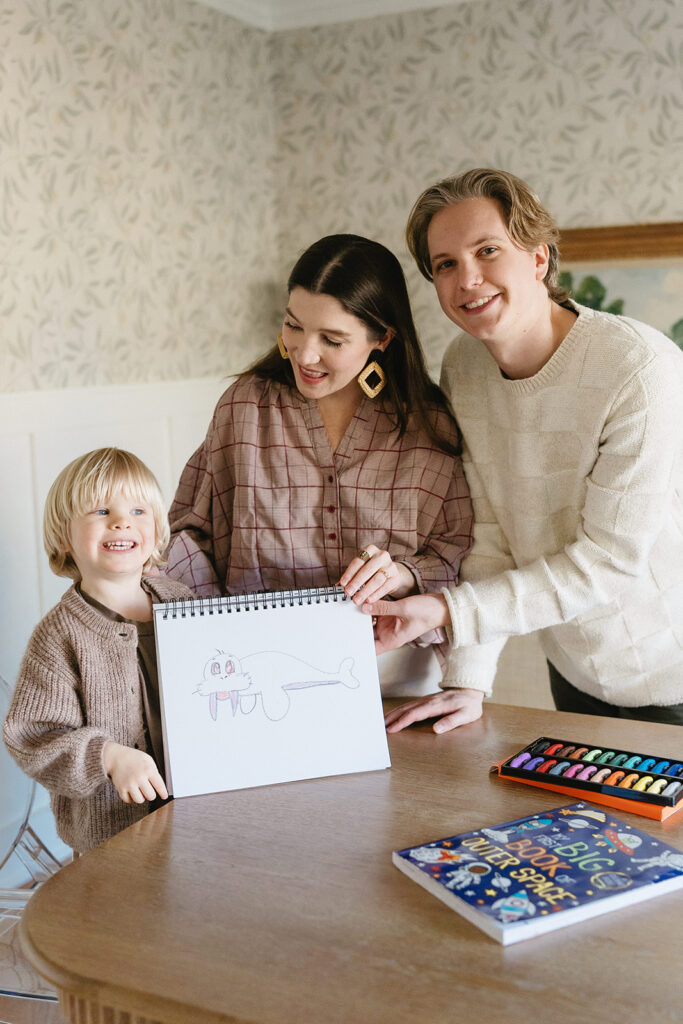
(281, 345)
(372, 390)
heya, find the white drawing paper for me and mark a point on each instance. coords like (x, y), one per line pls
(267, 689)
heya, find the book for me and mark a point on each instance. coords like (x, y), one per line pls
(267, 688)
(545, 871)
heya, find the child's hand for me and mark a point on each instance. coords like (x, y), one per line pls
(133, 772)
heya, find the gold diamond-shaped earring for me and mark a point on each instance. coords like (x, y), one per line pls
(372, 390)
(281, 345)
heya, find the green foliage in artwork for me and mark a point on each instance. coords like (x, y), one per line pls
(677, 332)
(591, 292)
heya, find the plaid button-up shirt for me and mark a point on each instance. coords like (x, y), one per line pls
(265, 505)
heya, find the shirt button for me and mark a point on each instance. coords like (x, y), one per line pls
(330, 508)
(332, 536)
(330, 479)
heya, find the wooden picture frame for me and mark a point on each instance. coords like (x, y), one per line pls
(624, 242)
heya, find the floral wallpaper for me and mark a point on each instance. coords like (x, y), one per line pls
(135, 139)
(163, 164)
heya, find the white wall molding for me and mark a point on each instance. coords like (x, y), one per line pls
(280, 15)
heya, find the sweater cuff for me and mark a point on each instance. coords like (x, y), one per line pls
(450, 628)
(93, 764)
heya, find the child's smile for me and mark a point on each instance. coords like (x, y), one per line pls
(113, 538)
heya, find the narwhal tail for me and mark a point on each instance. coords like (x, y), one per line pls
(346, 675)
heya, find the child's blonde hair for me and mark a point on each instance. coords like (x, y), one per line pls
(87, 482)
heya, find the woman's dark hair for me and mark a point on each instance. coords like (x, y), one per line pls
(367, 281)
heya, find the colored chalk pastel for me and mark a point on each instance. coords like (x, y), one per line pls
(643, 782)
(579, 752)
(547, 765)
(566, 751)
(592, 754)
(553, 749)
(614, 778)
(604, 758)
(587, 772)
(627, 783)
(660, 767)
(571, 772)
(619, 759)
(646, 765)
(532, 764)
(540, 747)
(601, 774)
(518, 761)
(672, 788)
(633, 761)
(675, 769)
(657, 786)
(559, 768)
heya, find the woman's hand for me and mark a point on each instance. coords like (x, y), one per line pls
(451, 708)
(373, 574)
(133, 772)
(398, 622)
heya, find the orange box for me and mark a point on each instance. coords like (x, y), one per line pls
(654, 805)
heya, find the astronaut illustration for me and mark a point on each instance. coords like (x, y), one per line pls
(467, 875)
(268, 677)
(667, 859)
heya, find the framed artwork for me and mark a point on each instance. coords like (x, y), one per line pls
(635, 270)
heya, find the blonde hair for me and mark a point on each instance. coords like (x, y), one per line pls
(87, 482)
(527, 221)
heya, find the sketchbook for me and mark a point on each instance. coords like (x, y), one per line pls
(267, 688)
(535, 874)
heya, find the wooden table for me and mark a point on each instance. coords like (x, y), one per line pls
(281, 905)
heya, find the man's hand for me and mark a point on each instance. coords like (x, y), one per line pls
(399, 622)
(451, 708)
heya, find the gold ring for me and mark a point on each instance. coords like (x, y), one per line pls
(384, 573)
(363, 555)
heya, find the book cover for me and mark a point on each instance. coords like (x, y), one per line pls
(542, 872)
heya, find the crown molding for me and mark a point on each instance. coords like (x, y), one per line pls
(279, 15)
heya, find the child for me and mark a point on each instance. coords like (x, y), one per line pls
(84, 719)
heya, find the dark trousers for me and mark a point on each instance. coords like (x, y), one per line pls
(568, 698)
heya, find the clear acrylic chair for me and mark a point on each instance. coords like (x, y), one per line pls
(17, 790)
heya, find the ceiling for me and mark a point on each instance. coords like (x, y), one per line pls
(277, 15)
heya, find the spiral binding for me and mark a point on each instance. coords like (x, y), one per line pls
(252, 602)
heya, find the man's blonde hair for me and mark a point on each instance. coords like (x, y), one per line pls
(86, 483)
(527, 221)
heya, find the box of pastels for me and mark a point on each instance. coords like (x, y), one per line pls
(646, 784)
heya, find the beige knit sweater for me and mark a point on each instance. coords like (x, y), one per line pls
(576, 476)
(78, 687)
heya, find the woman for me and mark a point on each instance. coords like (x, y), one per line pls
(335, 457)
(572, 445)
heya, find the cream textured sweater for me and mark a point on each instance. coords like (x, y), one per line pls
(576, 477)
(78, 686)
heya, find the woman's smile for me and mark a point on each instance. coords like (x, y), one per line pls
(328, 347)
